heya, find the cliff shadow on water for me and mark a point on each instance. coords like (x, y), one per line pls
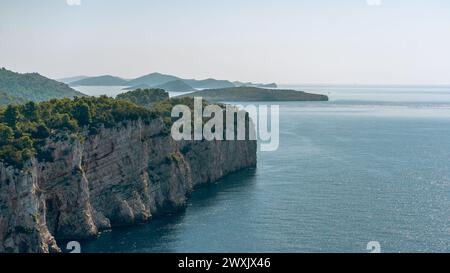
(161, 233)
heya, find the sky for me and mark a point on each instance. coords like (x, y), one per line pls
(283, 41)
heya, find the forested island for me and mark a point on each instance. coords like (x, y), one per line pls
(255, 94)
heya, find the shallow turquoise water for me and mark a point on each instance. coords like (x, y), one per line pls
(347, 172)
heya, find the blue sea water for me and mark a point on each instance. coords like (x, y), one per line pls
(373, 164)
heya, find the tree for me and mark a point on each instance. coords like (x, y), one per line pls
(11, 116)
(24, 143)
(41, 132)
(6, 134)
(82, 113)
(30, 111)
(69, 123)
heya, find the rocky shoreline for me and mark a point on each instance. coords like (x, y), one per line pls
(119, 176)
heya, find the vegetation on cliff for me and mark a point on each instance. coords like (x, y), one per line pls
(24, 128)
(144, 97)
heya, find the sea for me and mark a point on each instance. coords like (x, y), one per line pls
(372, 165)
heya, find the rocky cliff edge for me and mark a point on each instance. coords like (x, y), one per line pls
(119, 176)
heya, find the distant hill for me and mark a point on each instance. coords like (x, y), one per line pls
(255, 94)
(269, 85)
(209, 83)
(32, 86)
(72, 79)
(250, 84)
(153, 79)
(156, 80)
(176, 86)
(105, 80)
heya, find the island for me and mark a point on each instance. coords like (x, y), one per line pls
(250, 84)
(176, 86)
(255, 94)
(159, 80)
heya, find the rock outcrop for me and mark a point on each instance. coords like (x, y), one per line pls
(118, 176)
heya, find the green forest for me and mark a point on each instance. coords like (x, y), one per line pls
(24, 128)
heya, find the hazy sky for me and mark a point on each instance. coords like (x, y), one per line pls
(286, 41)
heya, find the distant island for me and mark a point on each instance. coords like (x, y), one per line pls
(176, 86)
(153, 79)
(72, 79)
(209, 83)
(255, 94)
(101, 80)
(250, 84)
(158, 80)
(19, 88)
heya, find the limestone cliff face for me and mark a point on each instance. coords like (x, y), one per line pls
(119, 176)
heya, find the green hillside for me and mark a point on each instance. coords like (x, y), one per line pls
(8, 99)
(16, 87)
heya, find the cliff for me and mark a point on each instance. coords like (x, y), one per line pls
(118, 176)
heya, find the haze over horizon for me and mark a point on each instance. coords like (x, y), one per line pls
(287, 42)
